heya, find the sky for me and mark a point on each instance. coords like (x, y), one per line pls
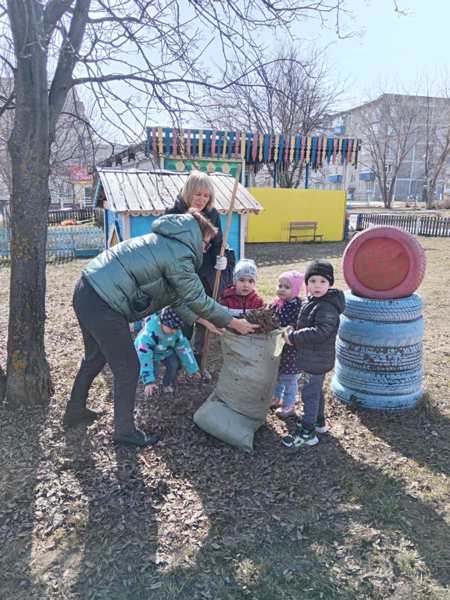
(393, 51)
(388, 51)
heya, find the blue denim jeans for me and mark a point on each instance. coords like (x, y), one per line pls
(172, 364)
(286, 389)
(313, 399)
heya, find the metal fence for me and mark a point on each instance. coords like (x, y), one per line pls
(63, 243)
(416, 224)
(76, 214)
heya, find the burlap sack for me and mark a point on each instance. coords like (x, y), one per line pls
(249, 372)
(240, 402)
(224, 423)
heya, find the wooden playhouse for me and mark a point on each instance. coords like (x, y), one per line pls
(133, 199)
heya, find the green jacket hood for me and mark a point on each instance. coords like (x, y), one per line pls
(183, 228)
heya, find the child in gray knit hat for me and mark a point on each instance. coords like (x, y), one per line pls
(242, 296)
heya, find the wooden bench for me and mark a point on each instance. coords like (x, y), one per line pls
(299, 230)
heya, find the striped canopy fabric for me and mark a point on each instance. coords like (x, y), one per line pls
(252, 147)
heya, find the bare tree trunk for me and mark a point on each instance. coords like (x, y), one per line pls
(2, 384)
(432, 200)
(387, 197)
(427, 197)
(28, 374)
(426, 192)
(384, 190)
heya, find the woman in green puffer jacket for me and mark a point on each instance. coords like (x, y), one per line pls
(126, 283)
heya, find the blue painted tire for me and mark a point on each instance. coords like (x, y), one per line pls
(390, 402)
(385, 335)
(379, 353)
(386, 311)
(384, 359)
(373, 382)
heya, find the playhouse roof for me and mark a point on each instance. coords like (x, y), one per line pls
(151, 192)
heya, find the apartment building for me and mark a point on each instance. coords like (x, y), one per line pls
(403, 139)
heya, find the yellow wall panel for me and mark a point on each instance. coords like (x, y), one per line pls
(281, 206)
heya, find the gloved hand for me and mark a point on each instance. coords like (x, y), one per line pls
(221, 263)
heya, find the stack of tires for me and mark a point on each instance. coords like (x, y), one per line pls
(379, 344)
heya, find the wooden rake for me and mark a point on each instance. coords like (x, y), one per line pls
(219, 273)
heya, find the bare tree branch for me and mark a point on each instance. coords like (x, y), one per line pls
(53, 12)
(291, 94)
(399, 11)
(435, 136)
(66, 62)
(389, 129)
(7, 102)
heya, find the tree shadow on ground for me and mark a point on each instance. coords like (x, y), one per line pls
(120, 530)
(255, 512)
(193, 517)
(425, 434)
(267, 255)
(236, 495)
(386, 506)
(20, 459)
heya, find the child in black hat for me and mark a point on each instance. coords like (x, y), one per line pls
(162, 341)
(314, 338)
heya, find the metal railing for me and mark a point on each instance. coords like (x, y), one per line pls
(430, 226)
(55, 217)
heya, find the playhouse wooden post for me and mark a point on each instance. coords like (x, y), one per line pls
(222, 252)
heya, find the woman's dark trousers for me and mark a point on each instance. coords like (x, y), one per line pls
(107, 339)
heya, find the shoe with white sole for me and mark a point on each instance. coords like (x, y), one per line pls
(301, 437)
(321, 426)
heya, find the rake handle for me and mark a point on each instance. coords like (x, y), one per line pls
(219, 273)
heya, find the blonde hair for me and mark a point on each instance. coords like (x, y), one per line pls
(196, 182)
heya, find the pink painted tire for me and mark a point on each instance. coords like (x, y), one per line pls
(383, 263)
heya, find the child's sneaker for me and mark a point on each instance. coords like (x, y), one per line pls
(301, 437)
(285, 411)
(321, 426)
(168, 389)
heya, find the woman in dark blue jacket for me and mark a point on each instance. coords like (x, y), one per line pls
(198, 192)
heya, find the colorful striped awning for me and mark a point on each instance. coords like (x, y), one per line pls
(252, 147)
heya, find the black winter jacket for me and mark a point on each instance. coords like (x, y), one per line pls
(315, 335)
(207, 272)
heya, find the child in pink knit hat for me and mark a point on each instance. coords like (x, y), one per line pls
(287, 306)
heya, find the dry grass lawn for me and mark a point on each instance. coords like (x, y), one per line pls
(365, 514)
